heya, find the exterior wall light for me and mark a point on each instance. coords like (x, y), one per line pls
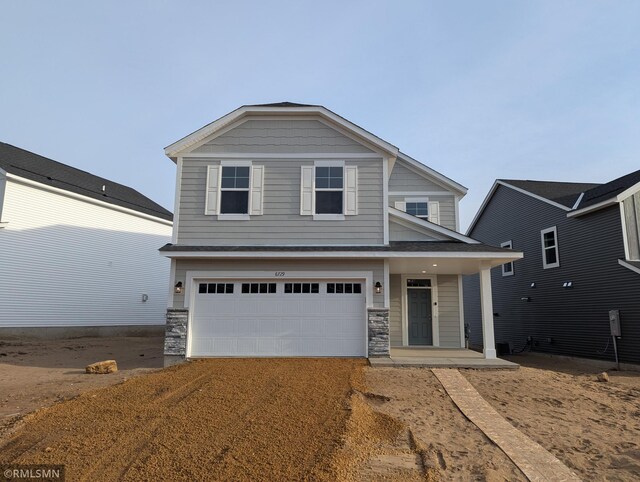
(378, 287)
(178, 288)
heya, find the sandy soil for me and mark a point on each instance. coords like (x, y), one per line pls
(593, 427)
(35, 374)
(207, 420)
(453, 448)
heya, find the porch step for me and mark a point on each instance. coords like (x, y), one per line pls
(438, 362)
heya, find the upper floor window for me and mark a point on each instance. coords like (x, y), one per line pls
(550, 256)
(234, 190)
(418, 209)
(507, 268)
(631, 221)
(329, 189)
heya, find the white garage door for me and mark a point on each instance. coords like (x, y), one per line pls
(278, 318)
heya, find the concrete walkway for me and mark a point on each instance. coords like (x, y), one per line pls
(532, 459)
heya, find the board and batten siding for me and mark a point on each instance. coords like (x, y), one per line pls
(376, 266)
(66, 262)
(281, 222)
(572, 322)
(446, 202)
(448, 310)
(283, 137)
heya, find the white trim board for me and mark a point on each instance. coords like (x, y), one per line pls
(80, 197)
(345, 254)
(628, 265)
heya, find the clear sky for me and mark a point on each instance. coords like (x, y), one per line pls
(477, 90)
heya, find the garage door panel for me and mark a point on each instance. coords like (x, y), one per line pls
(279, 323)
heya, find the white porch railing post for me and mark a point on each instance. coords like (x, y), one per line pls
(486, 305)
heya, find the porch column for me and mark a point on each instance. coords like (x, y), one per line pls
(486, 307)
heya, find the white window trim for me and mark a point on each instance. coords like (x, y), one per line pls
(435, 319)
(509, 245)
(546, 265)
(328, 217)
(234, 216)
(418, 200)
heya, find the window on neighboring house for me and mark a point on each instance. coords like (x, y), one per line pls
(329, 189)
(507, 268)
(550, 257)
(631, 207)
(418, 209)
(234, 195)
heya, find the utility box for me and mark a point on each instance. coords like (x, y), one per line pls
(614, 323)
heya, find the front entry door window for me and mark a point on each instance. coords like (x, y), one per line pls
(419, 312)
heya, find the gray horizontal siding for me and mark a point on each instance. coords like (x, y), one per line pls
(398, 232)
(575, 319)
(282, 136)
(281, 222)
(447, 204)
(404, 179)
(182, 266)
(449, 311)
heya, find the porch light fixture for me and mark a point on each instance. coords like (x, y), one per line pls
(178, 287)
(378, 287)
(423, 271)
(434, 265)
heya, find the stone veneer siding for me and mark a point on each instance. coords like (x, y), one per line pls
(175, 336)
(378, 324)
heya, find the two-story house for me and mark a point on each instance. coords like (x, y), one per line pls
(298, 233)
(581, 261)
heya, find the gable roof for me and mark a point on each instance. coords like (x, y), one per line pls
(609, 190)
(173, 151)
(564, 193)
(432, 173)
(28, 165)
(423, 223)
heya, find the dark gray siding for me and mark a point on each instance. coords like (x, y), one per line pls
(575, 320)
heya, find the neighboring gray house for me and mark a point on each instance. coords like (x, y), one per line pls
(298, 233)
(581, 259)
(77, 252)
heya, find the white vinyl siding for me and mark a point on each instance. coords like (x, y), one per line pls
(282, 137)
(281, 221)
(73, 263)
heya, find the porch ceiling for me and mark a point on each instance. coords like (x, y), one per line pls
(441, 265)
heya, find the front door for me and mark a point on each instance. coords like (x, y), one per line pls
(419, 316)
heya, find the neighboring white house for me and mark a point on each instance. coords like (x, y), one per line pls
(77, 251)
(298, 233)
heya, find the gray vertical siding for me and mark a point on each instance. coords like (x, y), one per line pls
(282, 136)
(184, 265)
(281, 222)
(575, 320)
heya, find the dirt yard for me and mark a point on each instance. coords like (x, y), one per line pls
(35, 374)
(322, 419)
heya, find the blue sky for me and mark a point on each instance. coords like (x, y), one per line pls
(475, 89)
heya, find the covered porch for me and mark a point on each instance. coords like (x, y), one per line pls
(426, 308)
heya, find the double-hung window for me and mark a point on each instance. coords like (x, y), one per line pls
(550, 256)
(234, 190)
(329, 189)
(507, 268)
(419, 209)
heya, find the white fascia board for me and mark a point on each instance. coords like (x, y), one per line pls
(622, 262)
(607, 202)
(87, 199)
(497, 183)
(432, 174)
(175, 149)
(481, 255)
(431, 226)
